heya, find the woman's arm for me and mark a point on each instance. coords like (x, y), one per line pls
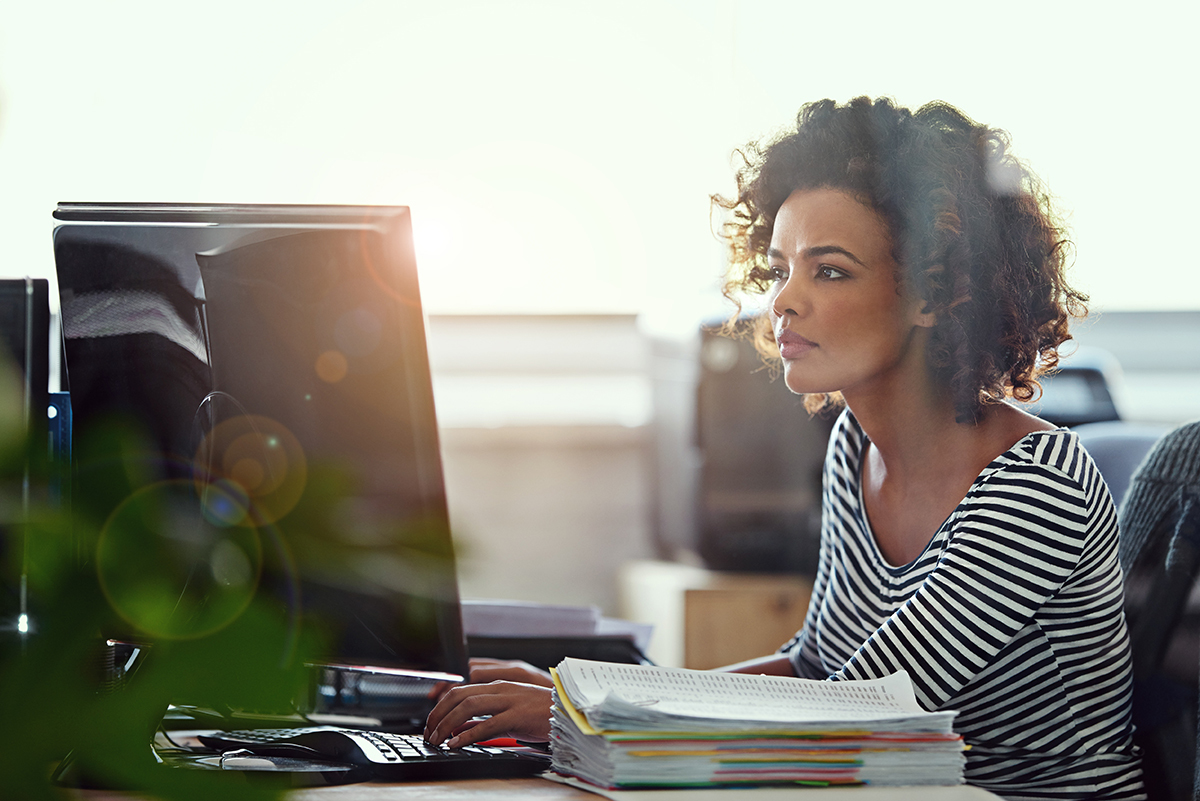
(484, 670)
(772, 665)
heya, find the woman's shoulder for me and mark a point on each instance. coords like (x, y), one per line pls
(1055, 450)
(1019, 437)
(1035, 459)
(1047, 495)
(1046, 458)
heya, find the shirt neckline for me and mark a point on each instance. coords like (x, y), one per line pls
(987, 471)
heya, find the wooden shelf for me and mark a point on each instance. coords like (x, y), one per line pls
(705, 619)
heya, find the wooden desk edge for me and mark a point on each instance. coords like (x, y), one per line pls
(546, 790)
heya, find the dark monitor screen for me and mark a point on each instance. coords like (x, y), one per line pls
(25, 342)
(24, 400)
(254, 423)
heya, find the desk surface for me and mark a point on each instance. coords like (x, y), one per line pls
(544, 790)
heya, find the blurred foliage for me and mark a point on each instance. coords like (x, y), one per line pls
(198, 559)
(53, 682)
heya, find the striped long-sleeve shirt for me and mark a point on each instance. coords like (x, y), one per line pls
(1012, 615)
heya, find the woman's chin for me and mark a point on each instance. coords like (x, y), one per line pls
(802, 385)
(807, 389)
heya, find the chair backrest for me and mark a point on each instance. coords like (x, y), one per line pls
(1083, 389)
(1160, 554)
(1118, 447)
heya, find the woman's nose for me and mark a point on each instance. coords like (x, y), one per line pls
(787, 299)
(778, 308)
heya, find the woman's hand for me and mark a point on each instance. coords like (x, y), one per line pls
(484, 670)
(517, 710)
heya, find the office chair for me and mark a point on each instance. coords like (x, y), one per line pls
(1118, 447)
(1160, 554)
(1083, 389)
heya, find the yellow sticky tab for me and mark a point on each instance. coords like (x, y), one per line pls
(575, 714)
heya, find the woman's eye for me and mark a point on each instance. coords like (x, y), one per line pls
(778, 273)
(829, 272)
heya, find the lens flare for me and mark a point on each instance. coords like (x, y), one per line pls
(332, 366)
(387, 282)
(229, 564)
(250, 471)
(224, 503)
(168, 571)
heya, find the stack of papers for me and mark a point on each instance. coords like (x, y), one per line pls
(500, 618)
(528, 619)
(639, 726)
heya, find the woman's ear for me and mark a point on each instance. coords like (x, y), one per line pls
(925, 318)
(924, 315)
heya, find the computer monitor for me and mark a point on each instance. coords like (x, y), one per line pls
(24, 400)
(25, 345)
(254, 427)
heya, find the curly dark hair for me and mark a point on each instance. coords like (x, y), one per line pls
(972, 229)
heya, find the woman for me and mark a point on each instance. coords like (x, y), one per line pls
(914, 273)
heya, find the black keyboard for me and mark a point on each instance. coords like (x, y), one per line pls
(394, 757)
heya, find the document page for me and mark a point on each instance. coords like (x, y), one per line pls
(733, 696)
(791, 793)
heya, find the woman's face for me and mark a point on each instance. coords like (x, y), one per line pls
(841, 320)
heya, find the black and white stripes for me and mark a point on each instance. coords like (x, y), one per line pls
(1012, 616)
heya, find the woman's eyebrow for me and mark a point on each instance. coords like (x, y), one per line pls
(816, 251)
(825, 250)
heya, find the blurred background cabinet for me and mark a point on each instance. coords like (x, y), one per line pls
(705, 618)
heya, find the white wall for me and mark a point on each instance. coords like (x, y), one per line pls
(559, 156)
(546, 425)
(548, 514)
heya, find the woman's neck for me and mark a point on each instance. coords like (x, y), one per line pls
(918, 435)
(920, 462)
(910, 423)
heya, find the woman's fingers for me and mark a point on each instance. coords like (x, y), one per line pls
(511, 709)
(470, 724)
(459, 706)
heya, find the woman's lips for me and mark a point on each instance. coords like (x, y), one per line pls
(793, 346)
